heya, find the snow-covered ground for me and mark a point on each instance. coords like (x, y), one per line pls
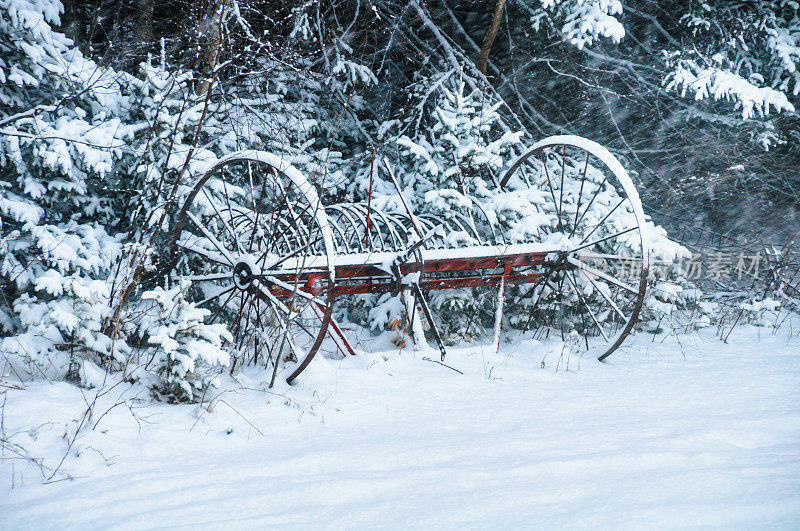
(684, 432)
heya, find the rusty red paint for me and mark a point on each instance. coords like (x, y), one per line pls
(365, 279)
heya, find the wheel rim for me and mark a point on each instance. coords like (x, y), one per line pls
(595, 282)
(250, 232)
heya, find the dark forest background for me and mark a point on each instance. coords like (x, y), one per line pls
(707, 171)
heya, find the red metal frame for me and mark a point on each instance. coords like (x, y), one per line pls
(443, 273)
(368, 278)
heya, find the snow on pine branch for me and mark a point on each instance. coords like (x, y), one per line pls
(589, 21)
(722, 84)
(585, 21)
(785, 45)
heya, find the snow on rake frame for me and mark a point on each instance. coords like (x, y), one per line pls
(272, 260)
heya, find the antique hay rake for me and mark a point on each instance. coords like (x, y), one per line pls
(266, 256)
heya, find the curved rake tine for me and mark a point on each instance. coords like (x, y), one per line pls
(293, 253)
(216, 296)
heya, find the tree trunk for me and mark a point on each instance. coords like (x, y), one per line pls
(144, 24)
(213, 34)
(73, 21)
(489, 40)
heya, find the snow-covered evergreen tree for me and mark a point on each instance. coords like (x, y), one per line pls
(186, 347)
(456, 155)
(61, 138)
(447, 167)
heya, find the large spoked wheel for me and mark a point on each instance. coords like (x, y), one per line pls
(594, 282)
(254, 240)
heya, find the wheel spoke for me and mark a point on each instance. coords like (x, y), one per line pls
(293, 289)
(224, 222)
(602, 275)
(608, 299)
(230, 209)
(255, 206)
(539, 299)
(293, 220)
(221, 307)
(304, 329)
(600, 223)
(609, 256)
(580, 194)
(561, 190)
(211, 238)
(277, 306)
(213, 276)
(562, 321)
(247, 313)
(214, 257)
(267, 293)
(586, 305)
(244, 296)
(588, 206)
(550, 185)
(216, 296)
(584, 246)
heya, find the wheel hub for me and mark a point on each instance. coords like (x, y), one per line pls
(243, 275)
